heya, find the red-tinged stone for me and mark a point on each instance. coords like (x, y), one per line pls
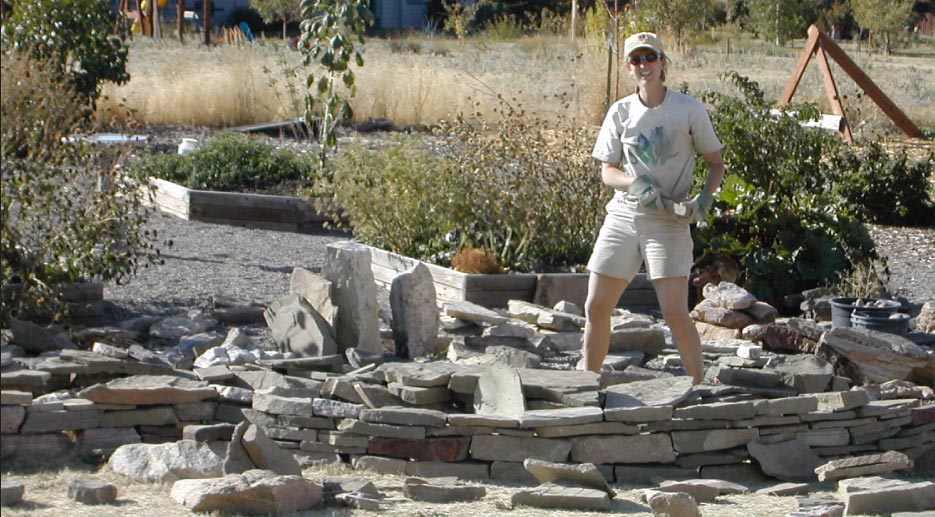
(923, 415)
(431, 449)
(104, 441)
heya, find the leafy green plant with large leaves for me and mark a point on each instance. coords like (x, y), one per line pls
(778, 216)
(78, 39)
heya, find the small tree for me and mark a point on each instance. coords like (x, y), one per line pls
(285, 10)
(678, 17)
(886, 17)
(75, 37)
(331, 29)
(782, 20)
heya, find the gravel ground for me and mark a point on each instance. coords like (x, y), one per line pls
(248, 265)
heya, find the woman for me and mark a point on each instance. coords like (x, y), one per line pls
(647, 146)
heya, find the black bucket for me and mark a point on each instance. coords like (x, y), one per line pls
(896, 323)
(842, 308)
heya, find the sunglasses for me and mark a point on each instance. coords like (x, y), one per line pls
(648, 58)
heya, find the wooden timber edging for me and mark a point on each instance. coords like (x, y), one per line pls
(496, 290)
(262, 211)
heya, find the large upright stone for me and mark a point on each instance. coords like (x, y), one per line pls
(298, 328)
(499, 392)
(875, 356)
(806, 373)
(265, 454)
(317, 291)
(415, 316)
(347, 267)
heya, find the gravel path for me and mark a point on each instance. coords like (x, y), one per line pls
(248, 265)
(240, 264)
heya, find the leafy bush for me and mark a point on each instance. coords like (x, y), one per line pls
(528, 194)
(777, 215)
(880, 188)
(231, 162)
(74, 37)
(67, 214)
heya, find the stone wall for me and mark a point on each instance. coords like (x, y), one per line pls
(634, 432)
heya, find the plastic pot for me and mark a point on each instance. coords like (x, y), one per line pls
(896, 323)
(842, 308)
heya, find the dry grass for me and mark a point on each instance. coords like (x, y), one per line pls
(420, 80)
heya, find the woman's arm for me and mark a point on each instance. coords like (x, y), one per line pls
(716, 171)
(613, 176)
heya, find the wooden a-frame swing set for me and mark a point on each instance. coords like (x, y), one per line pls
(822, 46)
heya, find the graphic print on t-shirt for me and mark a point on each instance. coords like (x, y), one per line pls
(654, 150)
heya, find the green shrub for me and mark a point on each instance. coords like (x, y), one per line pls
(778, 216)
(232, 162)
(517, 186)
(74, 37)
(880, 188)
(67, 214)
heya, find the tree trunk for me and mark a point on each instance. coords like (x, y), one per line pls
(284, 35)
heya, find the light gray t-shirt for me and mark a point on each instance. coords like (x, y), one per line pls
(661, 142)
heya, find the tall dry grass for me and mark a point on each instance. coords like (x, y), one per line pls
(421, 80)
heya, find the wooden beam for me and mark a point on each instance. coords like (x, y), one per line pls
(833, 95)
(181, 19)
(869, 87)
(811, 45)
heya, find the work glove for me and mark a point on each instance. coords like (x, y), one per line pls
(645, 192)
(695, 210)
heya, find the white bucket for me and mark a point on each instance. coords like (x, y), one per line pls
(188, 145)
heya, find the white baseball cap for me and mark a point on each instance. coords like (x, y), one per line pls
(642, 40)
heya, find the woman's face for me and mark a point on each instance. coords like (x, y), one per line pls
(646, 66)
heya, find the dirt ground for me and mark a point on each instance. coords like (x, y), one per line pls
(46, 495)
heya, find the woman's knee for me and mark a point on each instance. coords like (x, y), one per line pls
(596, 309)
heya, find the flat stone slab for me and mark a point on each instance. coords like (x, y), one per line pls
(717, 411)
(555, 496)
(786, 489)
(702, 493)
(585, 475)
(642, 448)
(149, 390)
(555, 384)
(910, 497)
(421, 490)
(654, 392)
(686, 442)
(421, 375)
(468, 311)
(862, 465)
(405, 416)
(512, 448)
(560, 417)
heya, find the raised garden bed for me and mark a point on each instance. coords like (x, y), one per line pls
(283, 213)
(495, 290)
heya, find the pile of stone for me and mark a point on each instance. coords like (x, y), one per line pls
(247, 396)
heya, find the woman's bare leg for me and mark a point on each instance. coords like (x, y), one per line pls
(673, 300)
(603, 294)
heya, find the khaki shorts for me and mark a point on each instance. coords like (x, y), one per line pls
(632, 234)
